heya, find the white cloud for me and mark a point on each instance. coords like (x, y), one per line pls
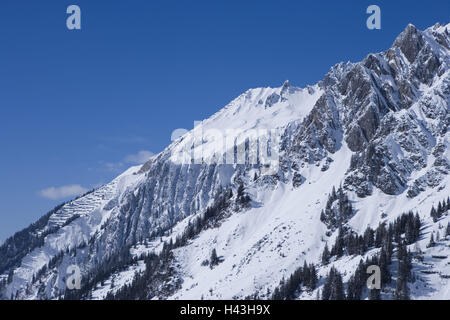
(116, 167)
(140, 157)
(113, 166)
(56, 193)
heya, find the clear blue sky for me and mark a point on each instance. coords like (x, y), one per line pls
(75, 104)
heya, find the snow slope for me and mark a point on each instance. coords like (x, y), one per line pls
(378, 128)
(91, 212)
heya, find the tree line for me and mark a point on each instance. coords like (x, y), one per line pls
(304, 278)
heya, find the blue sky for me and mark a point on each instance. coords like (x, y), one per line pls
(77, 107)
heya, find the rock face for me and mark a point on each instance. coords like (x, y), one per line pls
(410, 42)
(376, 126)
(374, 105)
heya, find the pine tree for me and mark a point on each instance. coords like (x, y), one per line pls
(326, 255)
(410, 233)
(326, 291)
(339, 246)
(417, 226)
(214, 260)
(242, 197)
(380, 235)
(384, 262)
(240, 190)
(434, 214)
(403, 273)
(402, 290)
(338, 287)
(333, 288)
(313, 277)
(354, 287)
(10, 276)
(305, 274)
(431, 243)
(369, 237)
(337, 210)
(388, 247)
(323, 217)
(439, 210)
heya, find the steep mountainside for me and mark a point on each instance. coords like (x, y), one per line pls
(304, 170)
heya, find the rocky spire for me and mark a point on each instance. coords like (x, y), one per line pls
(410, 42)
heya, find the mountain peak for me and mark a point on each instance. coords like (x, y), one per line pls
(286, 84)
(410, 41)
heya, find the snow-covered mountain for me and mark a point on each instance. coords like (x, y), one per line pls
(376, 131)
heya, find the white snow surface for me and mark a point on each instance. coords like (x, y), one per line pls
(93, 215)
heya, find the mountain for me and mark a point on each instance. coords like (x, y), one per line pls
(245, 204)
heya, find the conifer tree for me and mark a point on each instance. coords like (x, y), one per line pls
(434, 214)
(431, 243)
(403, 273)
(333, 288)
(326, 255)
(214, 260)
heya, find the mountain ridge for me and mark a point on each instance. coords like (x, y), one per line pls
(377, 127)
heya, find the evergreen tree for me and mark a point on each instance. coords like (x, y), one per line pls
(312, 283)
(338, 288)
(384, 262)
(417, 225)
(388, 248)
(402, 290)
(305, 276)
(354, 288)
(439, 210)
(338, 248)
(326, 255)
(431, 243)
(380, 234)
(333, 288)
(403, 273)
(11, 276)
(369, 237)
(337, 210)
(242, 197)
(333, 193)
(434, 214)
(214, 260)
